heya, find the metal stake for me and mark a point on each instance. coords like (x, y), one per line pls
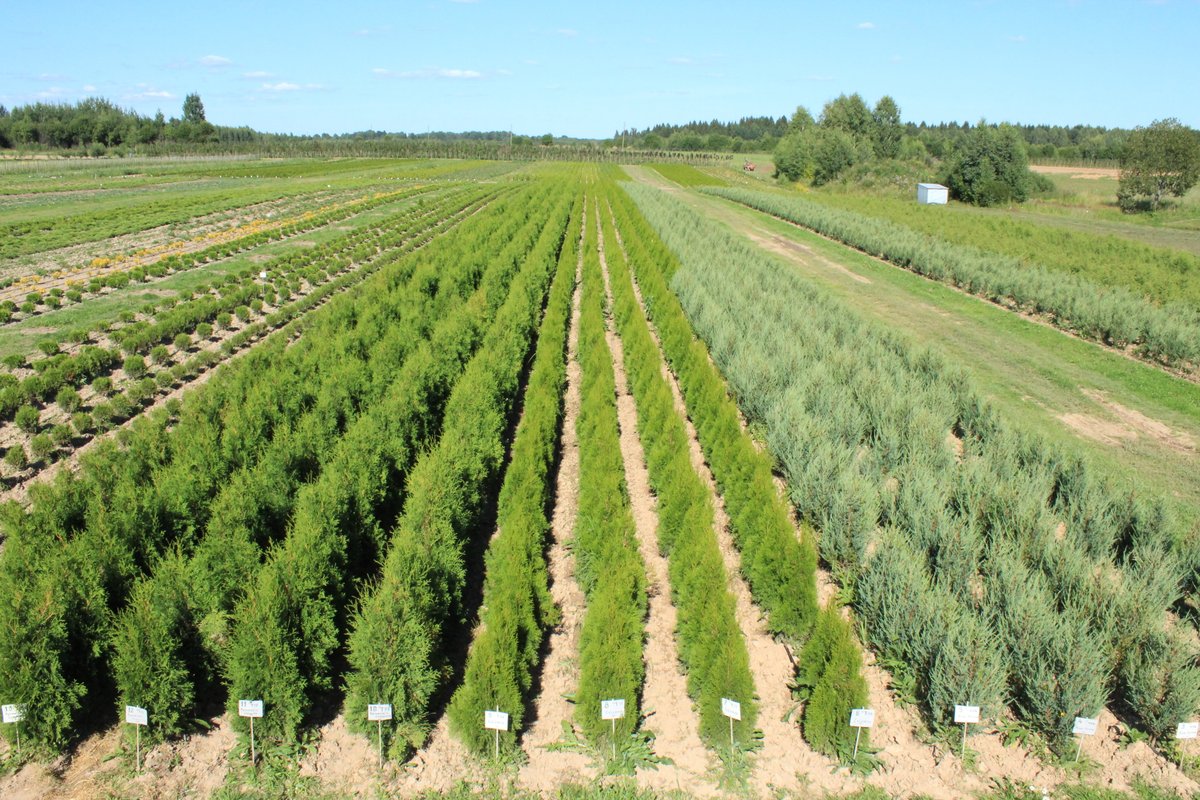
(731, 733)
(963, 754)
(857, 736)
(1078, 748)
(137, 732)
(614, 739)
(253, 754)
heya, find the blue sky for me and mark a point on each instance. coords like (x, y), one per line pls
(588, 69)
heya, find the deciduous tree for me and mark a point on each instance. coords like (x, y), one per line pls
(1161, 159)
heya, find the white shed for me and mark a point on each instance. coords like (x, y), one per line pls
(929, 194)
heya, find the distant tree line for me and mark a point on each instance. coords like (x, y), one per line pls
(95, 125)
(748, 134)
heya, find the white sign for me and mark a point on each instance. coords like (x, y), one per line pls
(1085, 726)
(136, 715)
(612, 709)
(379, 712)
(263, 275)
(12, 713)
(250, 708)
(862, 717)
(731, 708)
(965, 714)
(1187, 730)
(495, 720)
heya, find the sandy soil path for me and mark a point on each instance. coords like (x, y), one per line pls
(546, 770)
(665, 702)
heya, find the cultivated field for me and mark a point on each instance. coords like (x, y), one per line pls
(461, 438)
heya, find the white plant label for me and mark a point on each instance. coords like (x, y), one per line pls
(495, 720)
(1187, 730)
(250, 708)
(966, 714)
(612, 709)
(136, 715)
(379, 712)
(862, 717)
(1085, 726)
(262, 275)
(731, 708)
(12, 713)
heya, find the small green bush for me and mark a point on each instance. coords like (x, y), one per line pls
(16, 458)
(67, 399)
(134, 366)
(41, 446)
(831, 666)
(27, 418)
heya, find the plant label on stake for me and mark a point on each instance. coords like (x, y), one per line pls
(860, 718)
(613, 710)
(1084, 726)
(733, 710)
(495, 721)
(252, 709)
(13, 714)
(379, 713)
(137, 716)
(1187, 730)
(965, 715)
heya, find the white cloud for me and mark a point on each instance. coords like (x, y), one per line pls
(87, 87)
(456, 74)
(215, 61)
(1019, 39)
(288, 86)
(865, 26)
(465, 2)
(683, 61)
(257, 75)
(147, 92)
(373, 31)
(570, 33)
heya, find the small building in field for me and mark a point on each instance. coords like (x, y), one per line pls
(932, 194)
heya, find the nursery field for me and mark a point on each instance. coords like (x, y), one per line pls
(370, 477)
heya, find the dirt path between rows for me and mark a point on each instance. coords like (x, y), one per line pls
(784, 756)
(665, 702)
(552, 711)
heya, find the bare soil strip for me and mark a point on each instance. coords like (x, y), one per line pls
(665, 701)
(546, 770)
(785, 755)
(191, 767)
